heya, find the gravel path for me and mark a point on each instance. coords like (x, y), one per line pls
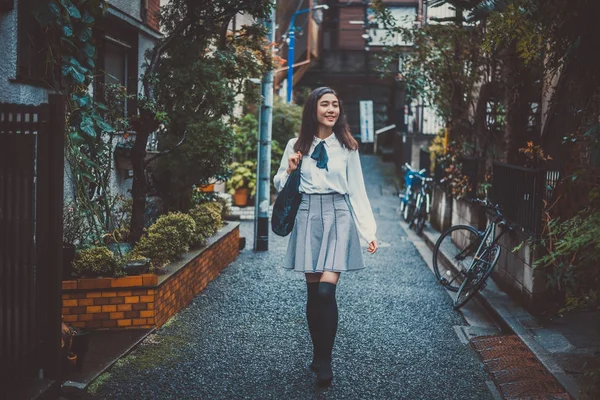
(245, 335)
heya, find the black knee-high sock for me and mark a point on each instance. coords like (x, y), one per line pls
(328, 319)
(312, 314)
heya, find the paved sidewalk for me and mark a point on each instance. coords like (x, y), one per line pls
(245, 335)
(567, 346)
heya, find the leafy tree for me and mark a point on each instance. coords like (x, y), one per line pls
(192, 77)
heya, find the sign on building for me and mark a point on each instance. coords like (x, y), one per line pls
(367, 129)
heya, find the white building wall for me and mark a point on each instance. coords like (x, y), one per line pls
(11, 91)
(120, 180)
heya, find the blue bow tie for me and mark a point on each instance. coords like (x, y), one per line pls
(320, 154)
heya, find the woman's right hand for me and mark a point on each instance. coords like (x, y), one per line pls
(293, 161)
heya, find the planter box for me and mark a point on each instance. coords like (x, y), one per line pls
(148, 301)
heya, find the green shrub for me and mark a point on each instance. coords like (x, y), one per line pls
(225, 209)
(572, 258)
(169, 237)
(208, 218)
(96, 261)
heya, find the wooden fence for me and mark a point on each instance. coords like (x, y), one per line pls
(31, 194)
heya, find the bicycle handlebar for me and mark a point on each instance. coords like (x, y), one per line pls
(424, 178)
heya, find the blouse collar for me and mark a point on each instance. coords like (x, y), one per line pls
(328, 141)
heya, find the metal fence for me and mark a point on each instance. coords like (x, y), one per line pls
(520, 192)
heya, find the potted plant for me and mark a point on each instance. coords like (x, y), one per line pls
(79, 345)
(242, 183)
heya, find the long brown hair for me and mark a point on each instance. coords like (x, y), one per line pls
(310, 124)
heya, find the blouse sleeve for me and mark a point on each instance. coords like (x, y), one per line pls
(360, 205)
(282, 176)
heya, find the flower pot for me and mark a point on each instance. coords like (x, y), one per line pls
(72, 359)
(208, 188)
(240, 197)
(137, 267)
(68, 253)
(79, 346)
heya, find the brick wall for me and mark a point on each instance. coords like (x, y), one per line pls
(178, 291)
(152, 12)
(141, 301)
(110, 303)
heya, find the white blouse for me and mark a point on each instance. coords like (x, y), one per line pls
(344, 176)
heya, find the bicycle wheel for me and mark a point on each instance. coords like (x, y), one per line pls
(420, 219)
(477, 275)
(453, 254)
(407, 212)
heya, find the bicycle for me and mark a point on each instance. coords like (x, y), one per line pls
(422, 205)
(407, 199)
(464, 257)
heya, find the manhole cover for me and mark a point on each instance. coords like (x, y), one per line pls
(515, 369)
(529, 388)
(518, 374)
(485, 342)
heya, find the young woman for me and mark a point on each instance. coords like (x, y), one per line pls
(334, 211)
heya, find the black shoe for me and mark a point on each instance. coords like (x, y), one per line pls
(324, 374)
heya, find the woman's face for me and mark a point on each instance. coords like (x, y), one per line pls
(328, 110)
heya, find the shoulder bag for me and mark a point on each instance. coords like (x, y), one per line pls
(286, 205)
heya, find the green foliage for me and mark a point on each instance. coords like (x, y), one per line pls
(202, 157)
(286, 121)
(208, 218)
(573, 257)
(91, 125)
(286, 124)
(168, 238)
(243, 176)
(74, 224)
(246, 139)
(96, 261)
(203, 70)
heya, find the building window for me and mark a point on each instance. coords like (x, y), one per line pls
(116, 64)
(33, 63)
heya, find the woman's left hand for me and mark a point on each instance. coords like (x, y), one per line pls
(372, 247)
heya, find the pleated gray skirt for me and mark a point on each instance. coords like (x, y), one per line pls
(324, 237)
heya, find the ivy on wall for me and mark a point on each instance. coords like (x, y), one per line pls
(68, 27)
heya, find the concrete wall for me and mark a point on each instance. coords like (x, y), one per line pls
(514, 272)
(441, 209)
(465, 213)
(11, 91)
(131, 7)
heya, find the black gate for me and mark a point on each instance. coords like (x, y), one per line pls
(31, 191)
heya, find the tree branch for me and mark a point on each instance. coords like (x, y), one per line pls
(157, 52)
(165, 152)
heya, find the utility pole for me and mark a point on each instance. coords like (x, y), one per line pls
(263, 187)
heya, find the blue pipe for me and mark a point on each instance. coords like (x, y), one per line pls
(292, 38)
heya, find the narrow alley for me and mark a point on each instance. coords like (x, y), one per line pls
(245, 335)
